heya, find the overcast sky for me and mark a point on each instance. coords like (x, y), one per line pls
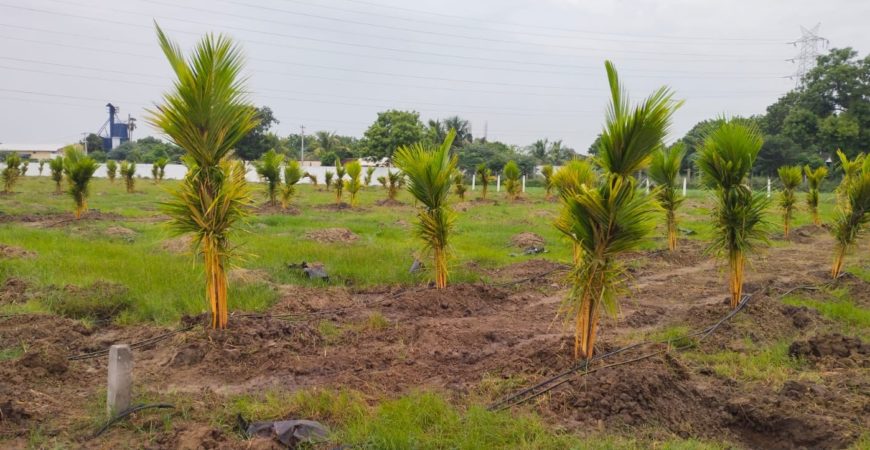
(519, 70)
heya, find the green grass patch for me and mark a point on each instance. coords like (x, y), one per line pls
(770, 364)
(839, 307)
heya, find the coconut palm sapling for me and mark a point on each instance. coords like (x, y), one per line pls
(79, 169)
(791, 178)
(11, 172)
(128, 173)
(664, 170)
(327, 180)
(459, 184)
(484, 175)
(370, 173)
(158, 169)
(55, 166)
(340, 172)
(512, 184)
(41, 166)
(851, 218)
(111, 170)
(612, 217)
(292, 175)
(206, 113)
(353, 184)
(269, 169)
(814, 180)
(547, 173)
(725, 161)
(429, 172)
(568, 181)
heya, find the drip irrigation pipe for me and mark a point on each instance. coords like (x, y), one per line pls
(133, 346)
(125, 413)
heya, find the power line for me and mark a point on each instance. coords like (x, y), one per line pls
(809, 42)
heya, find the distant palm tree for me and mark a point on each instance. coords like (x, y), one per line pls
(436, 131)
(292, 175)
(462, 128)
(268, 167)
(791, 179)
(538, 149)
(664, 169)
(79, 169)
(814, 180)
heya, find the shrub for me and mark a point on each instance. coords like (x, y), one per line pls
(292, 175)
(56, 168)
(11, 172)
(128, 173)
(512, 184)
(111, 170)
(269, 170)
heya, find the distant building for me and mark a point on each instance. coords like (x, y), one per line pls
(34, 151)
(114, 131)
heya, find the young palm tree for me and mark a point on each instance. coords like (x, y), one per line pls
(547, 172)
(269, 169)
(206, 114)
(25, 163)
(128, 173)
(327, 179)
(851, 170)
(459, 184)
(312, 177)
(791, 179)
(292, 175)
(339, 180)
(568, 181)
(664, 170)
(370, 172)
(353, 183)
(814, 180)
(392, 182)
(612, 217)
(512, 184)
(79, 169)
(111, 170)
(725, 161)
(41, 166)
(56, 168)
(852, 216)
(484, 176)
(429, 172)
(158, 169)
(11, 172)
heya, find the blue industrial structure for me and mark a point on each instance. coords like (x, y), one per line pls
(115, 132)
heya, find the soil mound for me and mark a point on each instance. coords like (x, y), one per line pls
(248, 276)
(833, 350)
(120, 232)
(49, 360)
(389, 202)
(527, 239)
(11, 251)
(14, 290)
(178, 245)
(267, 210)
(332, 235)
(459, 300)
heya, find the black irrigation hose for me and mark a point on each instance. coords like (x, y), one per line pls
(123, 414)
(134, 346)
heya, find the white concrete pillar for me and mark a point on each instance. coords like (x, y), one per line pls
(472, 180)
(524, 183)
(498, 183)
(684, 186)
(120, 384)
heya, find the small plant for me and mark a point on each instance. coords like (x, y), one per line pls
(292, 175)
(11, 172)
(41, 166)
(725, 161)
(392, 182)
(664, 169)
(327, 179)
(484, 175)
(312, 177)
(25, 163)
(111, 170)
(353, 183)
(851, 218)
(340, 172)
(79, 169)
(512, 184)
(158, 169)
(459, 184)
(56, 168)
(370, 172)
(429, 172)
(547, 173)
(851, 170)
(814, 180)
(128, 173)
(791, 178)
(269, 170)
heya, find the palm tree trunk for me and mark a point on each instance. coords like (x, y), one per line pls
(816, 220)
(838, 261)
(736, 263)
(216, 283)
(672, 231)
(440, 267)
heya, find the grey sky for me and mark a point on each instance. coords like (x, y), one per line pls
(522, 69)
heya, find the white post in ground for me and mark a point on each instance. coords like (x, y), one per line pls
(684, 186)
(472, 180)
(768, 187)
(646, 189)
(120, 386)
(498, 183)
(524, 184)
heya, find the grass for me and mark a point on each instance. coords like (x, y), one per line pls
(425, 420)
(163, 286)
(769, 364)
(839, 307)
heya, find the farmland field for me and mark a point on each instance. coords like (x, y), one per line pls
(386, 361)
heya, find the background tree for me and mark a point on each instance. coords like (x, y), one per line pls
(111, 170)
(665, 172)
(11, 172)
(56, 168)
(292, 175)
(814, 181)
(258, 141)
(207, 113)
(725, 162)
(791, 178)
(79, 169)
(268, 167)
(94, 143)
(429, 172)
(512, 184)
(391, 130)
(353, 183)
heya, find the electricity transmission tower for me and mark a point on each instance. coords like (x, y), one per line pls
(809, 44)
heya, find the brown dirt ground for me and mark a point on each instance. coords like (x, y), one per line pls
(460, 338)
(11, 251)
(332, 235)
(527, 239)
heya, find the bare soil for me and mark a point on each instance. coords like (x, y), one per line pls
(332, 235)
(460, 339)
(11, 251)
(527, 239)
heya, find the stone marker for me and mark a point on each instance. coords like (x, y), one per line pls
(119, 390)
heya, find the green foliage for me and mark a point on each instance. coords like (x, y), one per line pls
(547, 173)
(840, 307)
(459, 184)
(98, 301)
(327, 179)
(56, 168)
(392, 182)
(41, 166)
(292, 175)
(429, 172)
(158, 169)
(258, 140)
(814, 181)
(484, 174)
(11, 173)
(569, 179)
(791, 178)
(851, 218)
(391, 130)
(25, 163)
(340, 172)
(79, 169)
(512, 183)
(664, 170)
(353, 183)
(128, 173)
(770, 365)
(111, 170)
(268, 167)
(370, 172)
(145, 150)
